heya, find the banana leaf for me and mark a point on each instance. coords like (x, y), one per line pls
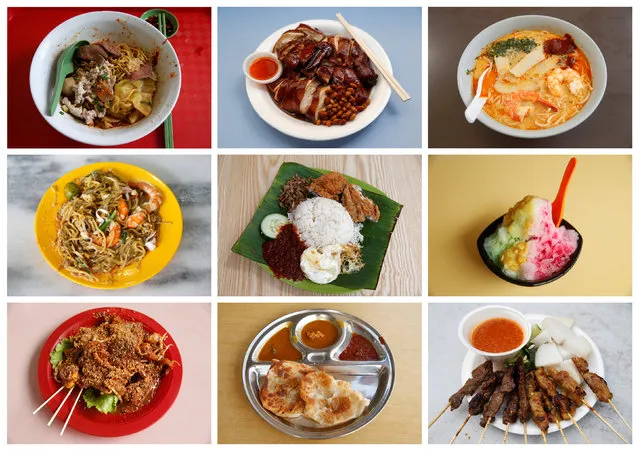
(376, 234)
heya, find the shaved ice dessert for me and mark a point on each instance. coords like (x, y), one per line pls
(527, 245)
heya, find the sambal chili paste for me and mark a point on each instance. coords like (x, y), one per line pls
(359, 349)
(283, 254)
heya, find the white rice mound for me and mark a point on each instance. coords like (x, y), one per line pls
(324, 222)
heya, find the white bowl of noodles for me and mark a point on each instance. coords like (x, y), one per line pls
(119, 28)
(533, 22)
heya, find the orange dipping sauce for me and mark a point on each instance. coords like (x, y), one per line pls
(263, 68)
(497, 335)
(279, 347)
(319, 334)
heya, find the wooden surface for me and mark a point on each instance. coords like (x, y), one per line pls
(399, 421)
(467, 193)
(243, 180)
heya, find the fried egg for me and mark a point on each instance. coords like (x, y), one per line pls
(322, 265)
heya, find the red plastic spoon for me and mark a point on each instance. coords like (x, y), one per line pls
(558, 203)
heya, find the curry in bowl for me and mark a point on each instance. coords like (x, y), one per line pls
(535, 80)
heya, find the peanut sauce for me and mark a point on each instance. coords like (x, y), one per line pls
(497, 335)
(283, 254)
(319, 334)
(279, 347)
(263, 68)
(359, 349)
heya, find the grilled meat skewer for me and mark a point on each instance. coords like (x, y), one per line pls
(596, 383)
(536, 402)
(510, 412)
(483, 394)
(572, 390)
(506, 386)
(479, 375)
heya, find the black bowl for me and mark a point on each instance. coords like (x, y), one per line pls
(524, 283)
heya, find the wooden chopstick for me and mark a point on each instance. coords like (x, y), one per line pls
(401, 92)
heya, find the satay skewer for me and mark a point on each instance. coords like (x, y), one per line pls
(439, 415)
(483, 434)
(605, 422)
(598, 385)
(579, 429)
(620, 415)
(543, 435)
(525, 435)
(60, 406)
(506, 433)
(459, 430)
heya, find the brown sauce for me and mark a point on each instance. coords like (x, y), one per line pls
(279, 347)
(319, 334)
(497, 335)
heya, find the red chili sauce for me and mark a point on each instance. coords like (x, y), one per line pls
(283, 254)
(497, 335)
(263, 68)
(359, 349)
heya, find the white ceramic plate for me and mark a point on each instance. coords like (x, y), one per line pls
(120, 28)
(557, 26)
(266, 108)
(595, 364)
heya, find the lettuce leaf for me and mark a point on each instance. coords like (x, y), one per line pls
(57, 355)
(104, 403)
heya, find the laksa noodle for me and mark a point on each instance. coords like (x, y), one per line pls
(537, 79)
(112, 85)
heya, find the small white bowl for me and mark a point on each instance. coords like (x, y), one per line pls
(474, 318)
(252, 57)
(557, 26)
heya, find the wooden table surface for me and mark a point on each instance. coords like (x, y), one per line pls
(400, 324)
(244, 179)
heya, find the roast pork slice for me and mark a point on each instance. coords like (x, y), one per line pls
(341, 49)
(309, 92)
(293, 95)
(317, 104)
(362, 65)
(91, 53)
(291, 35)
(310, 32)
(325, 72)
(111, 48)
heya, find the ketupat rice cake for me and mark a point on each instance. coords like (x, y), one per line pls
(527, 245)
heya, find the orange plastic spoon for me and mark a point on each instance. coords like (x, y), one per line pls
(558, 203)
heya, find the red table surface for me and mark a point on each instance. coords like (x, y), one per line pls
(27, 27)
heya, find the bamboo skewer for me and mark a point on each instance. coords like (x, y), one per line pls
(562, 432)
(506, 433)
(48, 399)
(579, 429)
(459, 430)
(525, 434)
(620, 415)
(604, 421)
(60, 406)
(543, 435)
(401, 92)
(439, 415)
(71, 412)
(483, 434)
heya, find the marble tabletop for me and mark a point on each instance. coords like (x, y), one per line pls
(610, 327)
(188, 273)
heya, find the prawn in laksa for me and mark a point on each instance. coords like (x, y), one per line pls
(538, 79)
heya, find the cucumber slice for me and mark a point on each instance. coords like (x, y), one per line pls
(534, 331)
(272, 223)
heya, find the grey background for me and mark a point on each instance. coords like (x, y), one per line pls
(451, 29)
(610, 327)
(188, 273)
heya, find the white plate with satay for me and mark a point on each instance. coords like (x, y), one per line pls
(530, 374)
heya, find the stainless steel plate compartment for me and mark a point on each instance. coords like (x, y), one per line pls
(374, 379)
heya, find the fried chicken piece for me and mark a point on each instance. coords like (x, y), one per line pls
(330, 185)
(358, 206)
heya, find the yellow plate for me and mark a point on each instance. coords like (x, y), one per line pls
(46, 228)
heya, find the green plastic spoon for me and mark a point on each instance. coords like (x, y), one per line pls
(64, 67)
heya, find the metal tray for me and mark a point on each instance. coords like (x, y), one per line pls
(374, 379)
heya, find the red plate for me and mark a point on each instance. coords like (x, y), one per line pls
(91, 421)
